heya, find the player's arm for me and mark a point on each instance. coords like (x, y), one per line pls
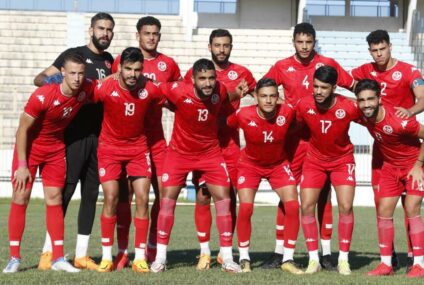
(416, 172)
(22, 174)
(241, 90)
(418, 107)
(49, 75)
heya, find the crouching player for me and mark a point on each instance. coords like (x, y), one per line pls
(265, 127)
(403, 158)
(40, 144)
(330, 155)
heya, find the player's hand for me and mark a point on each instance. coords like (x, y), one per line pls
(20, 179)
(242, 88)
(403, 113)
(417, 175)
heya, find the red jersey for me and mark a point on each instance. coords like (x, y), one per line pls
(264, 138)
(162, 68)
(329, 129)
(195, 128)
(53, 111)
(230, 77)
(124, 112)
(396, 84)
(396, 138)
(298, 79)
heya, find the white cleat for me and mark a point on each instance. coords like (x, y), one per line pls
(158, 266)
(12, 266)
(61, 264)
(231, 267)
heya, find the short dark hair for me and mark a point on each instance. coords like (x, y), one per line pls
(73, 56)
(304, 28)
(378, 36)
(131, 54)
(265, 82)
(326, 74)
(101, 16)
(219, 33)
(148, 21)
(202, 65)
(367, 84)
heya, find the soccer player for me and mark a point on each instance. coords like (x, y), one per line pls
(295, 74)
(40, 145)
(265, 127)
(122, 144)
(233, 76)
(194, 146)
(81, 138)
(402, 88)
(403, 157)
(159, 68)
(329, 156)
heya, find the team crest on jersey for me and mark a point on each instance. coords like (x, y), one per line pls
(162, 66)
(241, 180)
(102, 172)
(318, 65)
(281, 120)
(232, 75)
(388, 129)
(340, 113)
(81, 97)
(215, 99)
(108, 65)
(397, 75)
(165, 177)
(143, 93)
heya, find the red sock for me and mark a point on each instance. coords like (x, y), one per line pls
(292, 223)
(417, 235)
(310, 231)
(224, 222)
(56, 229)
(16, 228)
(326, 221)
(123, 223)
(346, 223)
(141, 227)
(244, 225)
(203, 221)
(279, 222)
(386, 234)
(407, 230)
(154, 213)
(107, 225)
(165, 220)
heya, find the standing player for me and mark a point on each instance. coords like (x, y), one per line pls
(194, 146)
(403, 157)
(159, 68)
(123, 144)
(329, 156)
(40, 144)
(295, 74)
(265, 126)
(402, 88)
(233, 76)
(81, 139)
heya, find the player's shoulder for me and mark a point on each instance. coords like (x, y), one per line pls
(285, 62)
(406, 67)
(325, 60)
(166, 58)
(239, 68)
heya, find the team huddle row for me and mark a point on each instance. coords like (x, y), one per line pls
(300, 138)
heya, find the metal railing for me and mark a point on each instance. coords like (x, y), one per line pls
(416, 39)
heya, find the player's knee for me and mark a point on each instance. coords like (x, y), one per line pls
(412, 210)
(167, 206)
(307, 209)
(20, 198)
(222, 207)
(345, 208)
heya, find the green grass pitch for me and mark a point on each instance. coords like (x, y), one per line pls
(184, 248)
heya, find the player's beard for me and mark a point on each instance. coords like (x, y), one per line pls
(217, 61)
(374, 113)
(326, 103)
(98, 45)
(201, 94)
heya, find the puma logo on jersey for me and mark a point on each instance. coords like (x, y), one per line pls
(311, 112)
(56, 103)
(41, 98)
(252, 124)
(188, 101)
(114, 94)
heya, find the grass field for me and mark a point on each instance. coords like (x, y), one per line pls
(184, 248)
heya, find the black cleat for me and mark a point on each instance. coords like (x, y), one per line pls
(409, 263)
(395, 261)
(274, 261)
(326, 263)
